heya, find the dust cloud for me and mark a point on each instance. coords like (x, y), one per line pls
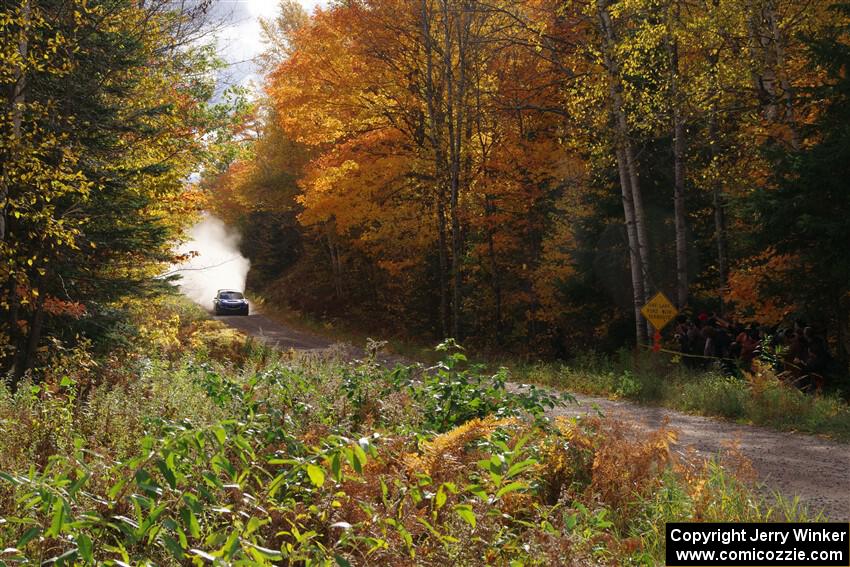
(218, 264)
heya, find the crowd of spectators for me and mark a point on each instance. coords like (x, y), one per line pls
(800, 354)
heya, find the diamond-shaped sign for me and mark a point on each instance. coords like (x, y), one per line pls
(659, 311)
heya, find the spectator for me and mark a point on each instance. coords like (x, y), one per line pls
(803, 355)
(748, 341)
(709, 334)
(817, 360)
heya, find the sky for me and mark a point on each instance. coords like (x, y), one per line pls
(219, 263)
(240, 39)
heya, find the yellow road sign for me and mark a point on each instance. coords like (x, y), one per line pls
(659, 311)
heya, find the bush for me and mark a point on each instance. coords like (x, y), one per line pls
(213, 340)
(291, 458)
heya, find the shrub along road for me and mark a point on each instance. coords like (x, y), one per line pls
(815, 469)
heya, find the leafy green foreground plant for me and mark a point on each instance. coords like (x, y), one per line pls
(307, 460)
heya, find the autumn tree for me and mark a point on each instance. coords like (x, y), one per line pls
(414, 81)
(526, 173)
(804, 218)
(100, 132)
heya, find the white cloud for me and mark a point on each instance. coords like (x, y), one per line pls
(262, 8)
(241, 42)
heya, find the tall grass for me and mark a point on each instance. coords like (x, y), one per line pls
(758, 398)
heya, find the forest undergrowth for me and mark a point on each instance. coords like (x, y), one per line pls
(198, 445)
(760, 397)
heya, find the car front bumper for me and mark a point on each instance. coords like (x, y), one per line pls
(241, 308)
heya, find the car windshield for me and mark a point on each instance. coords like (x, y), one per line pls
(230, 295)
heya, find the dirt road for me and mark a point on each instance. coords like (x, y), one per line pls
(815, 469)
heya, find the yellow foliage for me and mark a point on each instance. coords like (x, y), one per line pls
(445, 453)
(619, 466)
(161, 333)
(219, 341)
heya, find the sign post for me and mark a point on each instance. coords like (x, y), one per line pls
(659, 311)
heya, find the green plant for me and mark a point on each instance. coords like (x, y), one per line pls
(291, 459)
(628, 386)
(452, 393)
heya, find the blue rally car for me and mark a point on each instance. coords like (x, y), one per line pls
(230, 302)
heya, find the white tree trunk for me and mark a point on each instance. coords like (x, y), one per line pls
(629, 181)
(679, 205)
(18, 100)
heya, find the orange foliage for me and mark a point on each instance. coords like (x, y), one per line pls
(444, 454)
(489, 172)
(353, 91)
(746, 282)
(56, 306)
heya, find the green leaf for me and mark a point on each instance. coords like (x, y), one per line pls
(496, 462)
(254, 524)
(230, 546)
(517, 468)
(58, 519)
(354, 461)
(167, 472)
(28, 536)
(203, 554)
(466, 514)
(477, 491)
(190, 521)
(441, 497)
(181, 535)
(84, 546)
(146, 483)
(508, 488)
(360, 454)
(336, 467)
(276, 483)
(78, 484)
(316, 474)
(192, 502)
(173, 547)
(117, 487)
(431, 528)
(243, 444)
(266, 553)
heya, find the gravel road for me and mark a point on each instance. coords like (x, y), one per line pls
(815, 469)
